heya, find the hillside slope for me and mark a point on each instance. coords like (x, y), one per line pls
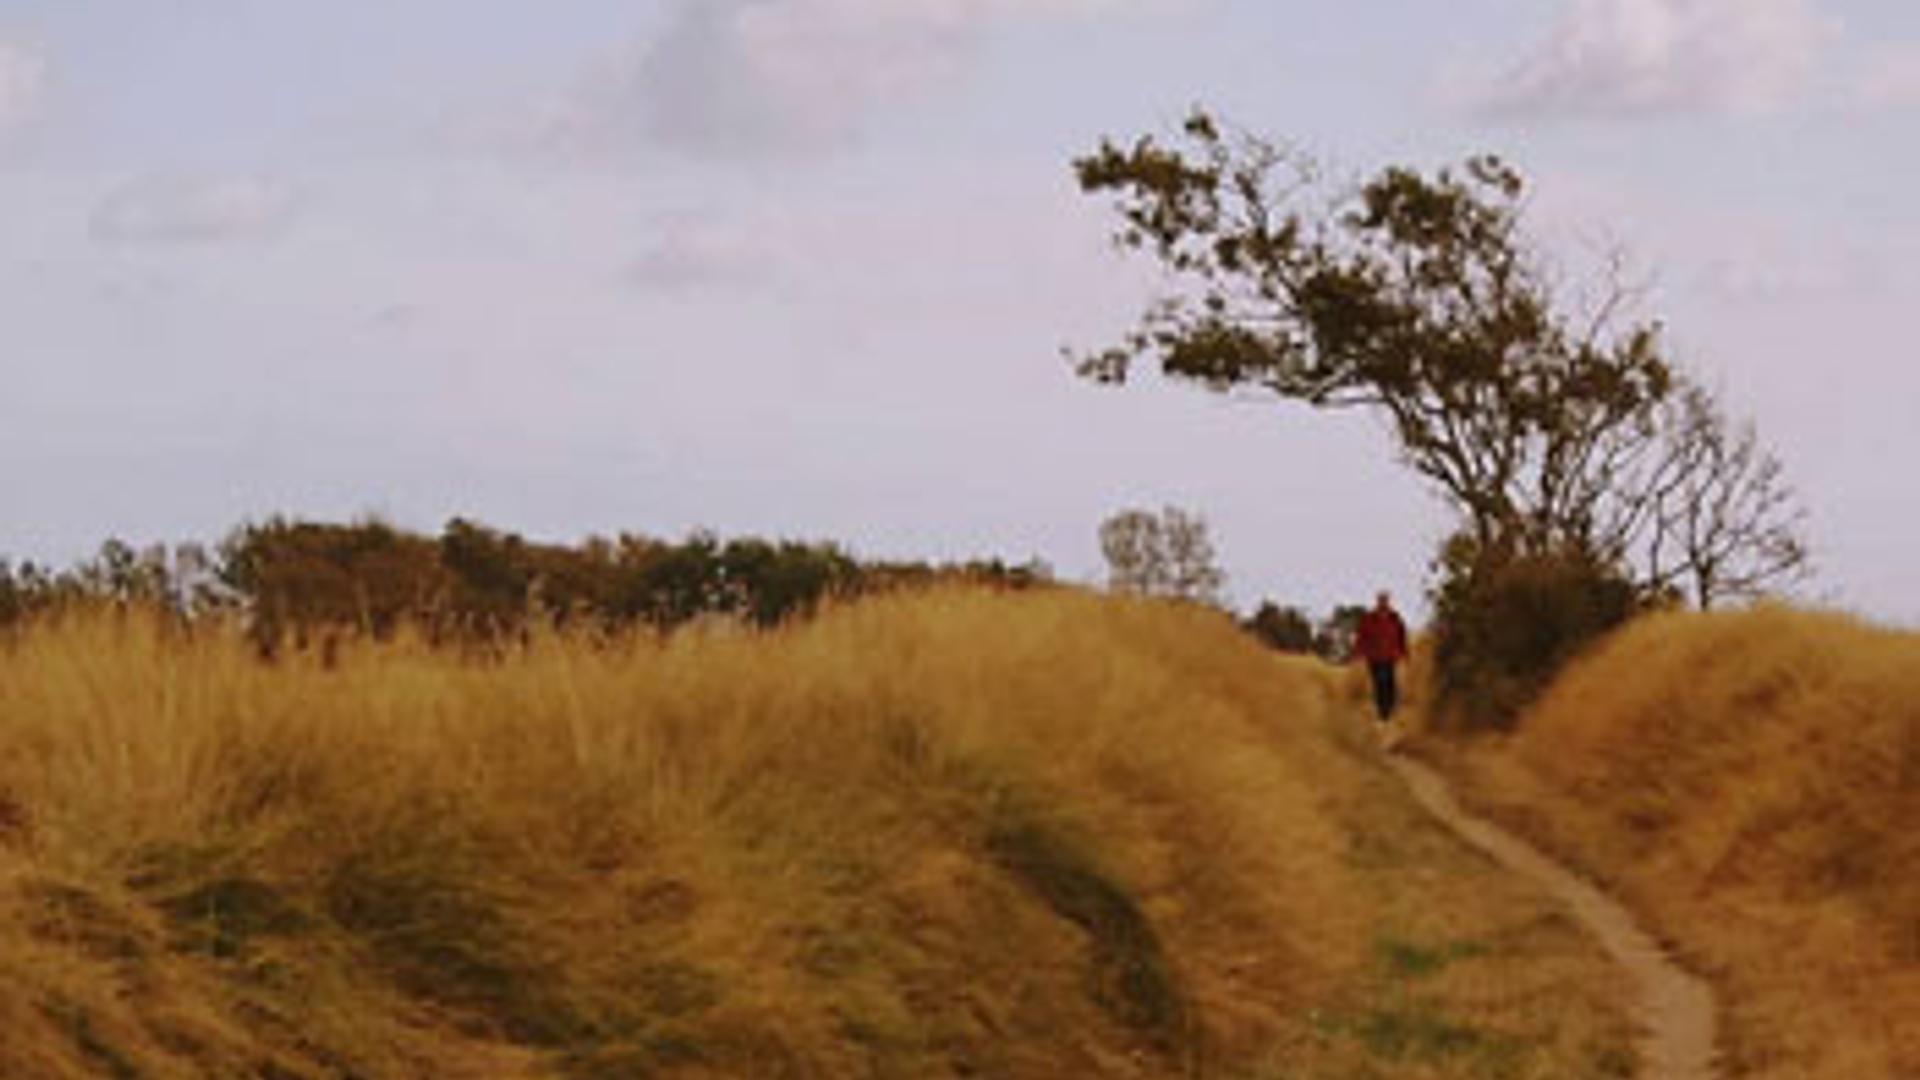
(1751, 780)
(947, 835)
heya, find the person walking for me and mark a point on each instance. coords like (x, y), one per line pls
(1380, 640)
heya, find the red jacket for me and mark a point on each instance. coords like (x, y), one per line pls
(1380, 637)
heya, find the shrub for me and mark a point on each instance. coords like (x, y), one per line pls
(1285, 628)
(1505, 623)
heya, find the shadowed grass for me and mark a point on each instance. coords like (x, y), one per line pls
(1131, 978)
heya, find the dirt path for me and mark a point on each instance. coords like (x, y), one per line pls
(1676, 1009)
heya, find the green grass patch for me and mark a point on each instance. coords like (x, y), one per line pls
(1413, 1032)
(1400, 1032)
(1410, 960)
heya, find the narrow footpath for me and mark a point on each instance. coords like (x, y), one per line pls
(1676, 1008)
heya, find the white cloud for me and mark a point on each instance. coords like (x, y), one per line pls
(1891, 78)
(1637, 59)
(755, 79)
(23, 76)
(193, 210)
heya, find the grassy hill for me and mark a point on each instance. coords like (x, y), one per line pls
(1752, 781)
(955, 834)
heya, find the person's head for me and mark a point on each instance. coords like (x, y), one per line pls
(1383, 601)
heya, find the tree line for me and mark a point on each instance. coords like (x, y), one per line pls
(298, 582)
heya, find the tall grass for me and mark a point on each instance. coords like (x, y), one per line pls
(1753, 778)
(946, 834)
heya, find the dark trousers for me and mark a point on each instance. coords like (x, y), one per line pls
(1386, 694)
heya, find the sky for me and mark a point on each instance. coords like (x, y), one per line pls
(807, 268)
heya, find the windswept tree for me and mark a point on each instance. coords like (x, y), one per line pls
(1420, 297)
(1166, 554)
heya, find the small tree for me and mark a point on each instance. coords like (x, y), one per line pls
(1285, 628)
(1130, 541)
(1333, 639)
(1168, 554)
(13, 596)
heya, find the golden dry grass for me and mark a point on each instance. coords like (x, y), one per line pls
(1752, 781)
(942, 835)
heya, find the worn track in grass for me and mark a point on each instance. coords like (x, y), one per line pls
(1676, 1008)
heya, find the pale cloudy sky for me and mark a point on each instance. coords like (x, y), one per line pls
(804, 267)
